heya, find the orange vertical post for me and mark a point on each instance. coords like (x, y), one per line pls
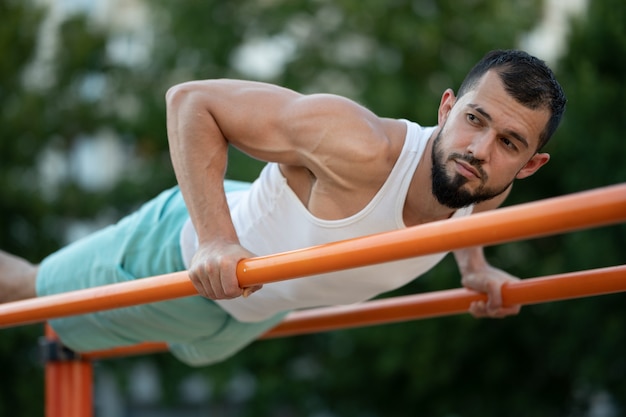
(68, 379)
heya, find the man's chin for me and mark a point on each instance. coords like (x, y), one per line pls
(454, 200)
(462, 196)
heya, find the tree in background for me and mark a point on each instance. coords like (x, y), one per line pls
(106, 85)
(17, 41)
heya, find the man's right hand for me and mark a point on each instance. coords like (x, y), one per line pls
(213, 271)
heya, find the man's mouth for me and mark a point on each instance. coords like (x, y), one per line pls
(466, 170)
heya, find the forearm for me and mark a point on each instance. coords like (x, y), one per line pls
(470, 260)
(478, 275)
(199, 153)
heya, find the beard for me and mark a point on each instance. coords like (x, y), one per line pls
(449, 190)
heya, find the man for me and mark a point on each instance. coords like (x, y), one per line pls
(335, 171)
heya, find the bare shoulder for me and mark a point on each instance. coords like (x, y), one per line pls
(346, 153)
(338, 136)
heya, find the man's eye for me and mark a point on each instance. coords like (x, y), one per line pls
(508, 143)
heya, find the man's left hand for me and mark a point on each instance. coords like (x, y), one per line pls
(489, 280)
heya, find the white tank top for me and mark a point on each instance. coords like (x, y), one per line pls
(269, 218)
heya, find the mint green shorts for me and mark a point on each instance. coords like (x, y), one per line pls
(146, 243)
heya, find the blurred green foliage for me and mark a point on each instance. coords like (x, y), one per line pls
(396, 57)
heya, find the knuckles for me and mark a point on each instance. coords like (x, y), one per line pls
(214, 276)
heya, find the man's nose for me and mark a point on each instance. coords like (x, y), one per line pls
(481, 145)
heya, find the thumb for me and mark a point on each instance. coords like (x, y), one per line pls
(248, 291)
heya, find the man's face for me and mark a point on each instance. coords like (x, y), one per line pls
(486, 140)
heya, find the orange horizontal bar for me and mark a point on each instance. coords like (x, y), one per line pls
(594, 208)
(420, 306)
(125, 351)
(106, 297)
(450, 302)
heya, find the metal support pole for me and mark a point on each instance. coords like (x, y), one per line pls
(68, 379)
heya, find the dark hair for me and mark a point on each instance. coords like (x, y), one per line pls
(527, 79)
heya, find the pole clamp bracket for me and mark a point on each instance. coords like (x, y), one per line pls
(54, 351)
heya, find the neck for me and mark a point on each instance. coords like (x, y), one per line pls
(421, 206)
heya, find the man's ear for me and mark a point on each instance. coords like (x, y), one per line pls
(447, 101)
(537, 161)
